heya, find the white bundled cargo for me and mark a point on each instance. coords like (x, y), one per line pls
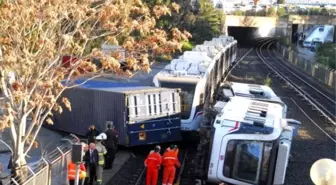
(217, 45)
(211, 50)
(198, 73)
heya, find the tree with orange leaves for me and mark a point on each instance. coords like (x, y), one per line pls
(36, 34)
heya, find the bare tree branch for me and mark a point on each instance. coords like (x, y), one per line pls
(36, 35)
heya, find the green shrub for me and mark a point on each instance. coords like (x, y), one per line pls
(281, 12)
(187, 46)
(326, 55)
(271, 12)
(239, 13)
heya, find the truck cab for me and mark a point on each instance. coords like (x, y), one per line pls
(251, 142)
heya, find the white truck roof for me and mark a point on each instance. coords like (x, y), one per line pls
(240, 109)
(253, 91)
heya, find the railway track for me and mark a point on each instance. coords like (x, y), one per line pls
(130, 172)
(134, 172)
(182, 158)
(316, 136)
(320, 99)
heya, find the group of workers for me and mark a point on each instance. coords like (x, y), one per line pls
(98, 155)
(169, 161)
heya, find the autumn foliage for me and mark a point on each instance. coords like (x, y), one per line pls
(36, 34)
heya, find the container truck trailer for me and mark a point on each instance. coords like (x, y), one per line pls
(141, 114)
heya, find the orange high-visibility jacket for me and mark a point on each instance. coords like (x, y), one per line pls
(176, 151)
(170, 159)
(72, 171)
(153, 160)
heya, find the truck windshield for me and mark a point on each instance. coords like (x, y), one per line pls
(247, 161)
(187, 96)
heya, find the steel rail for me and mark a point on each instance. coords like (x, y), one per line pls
(182, 168)
(178, 178)
(321, 106)
(330, 112)
(240, 59)
(294, 86)
(290, 71)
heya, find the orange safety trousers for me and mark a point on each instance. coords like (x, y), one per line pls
(152, 176)
(169, 175)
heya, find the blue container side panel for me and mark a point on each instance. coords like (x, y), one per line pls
(101, 84)
(92, 107)
(111, 107)
(80, 117)
(156, 131)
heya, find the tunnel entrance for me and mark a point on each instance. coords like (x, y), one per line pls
(244, 35)
(294, 33)
(334, 34)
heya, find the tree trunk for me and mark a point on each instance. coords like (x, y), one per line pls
(19, 164)
(225, 30)
(20, 171)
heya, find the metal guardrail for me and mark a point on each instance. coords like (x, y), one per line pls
(284, 12)
(51, 169)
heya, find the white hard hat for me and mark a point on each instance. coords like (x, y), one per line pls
(101, 136)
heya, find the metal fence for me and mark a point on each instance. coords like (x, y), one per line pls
(51, 169)
(322, 73)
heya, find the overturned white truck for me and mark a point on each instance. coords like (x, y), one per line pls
(246, 140)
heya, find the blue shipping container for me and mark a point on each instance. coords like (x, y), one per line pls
(141, 114)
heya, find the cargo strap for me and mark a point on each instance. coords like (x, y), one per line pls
(101, 158)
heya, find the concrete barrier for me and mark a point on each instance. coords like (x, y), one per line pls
(309, 68)
(321, 74)
(301, 64)
(332, 81)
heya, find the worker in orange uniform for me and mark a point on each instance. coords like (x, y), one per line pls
(72, 173)
(170, 162)
(176, 150)
(153, 163)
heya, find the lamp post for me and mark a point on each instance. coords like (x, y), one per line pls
(323, 172)
(77, 174)
(77, 158)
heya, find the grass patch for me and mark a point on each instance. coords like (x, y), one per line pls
(268, 81)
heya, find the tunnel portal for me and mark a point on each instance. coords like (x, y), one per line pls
(244, 35)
